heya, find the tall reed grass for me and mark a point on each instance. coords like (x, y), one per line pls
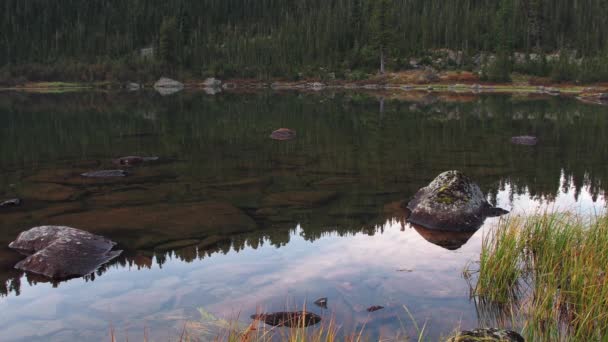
(548, 275)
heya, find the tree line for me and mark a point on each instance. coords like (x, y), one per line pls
(278, 38)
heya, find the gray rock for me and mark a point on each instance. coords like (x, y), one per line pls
(132, 86)
(321, 302)
(487, 335)
(524, 140)
(451, 202)
(62, 252)
(105, 174)
(212, 82)
(166, 86)
(13, 202)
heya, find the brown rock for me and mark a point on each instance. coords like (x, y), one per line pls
(283, 134)
(288, 319)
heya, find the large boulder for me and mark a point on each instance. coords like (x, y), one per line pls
(488, 335)
(60, 252)
(452, 202)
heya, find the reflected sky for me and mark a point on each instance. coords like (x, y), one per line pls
(394, 267)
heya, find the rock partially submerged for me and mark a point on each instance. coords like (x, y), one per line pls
(374, 308)
(321, 302)
(524, 140)
(13, 202)
(283, 134)
(133, 160)
(451, 202)
(60, 252)
(288, 319)
(488, 335)
(105, 174)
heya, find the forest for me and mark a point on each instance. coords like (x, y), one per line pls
(123, 40)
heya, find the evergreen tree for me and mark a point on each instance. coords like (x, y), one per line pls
(382, 30)
(167, 45)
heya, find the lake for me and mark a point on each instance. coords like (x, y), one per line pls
(228, 222)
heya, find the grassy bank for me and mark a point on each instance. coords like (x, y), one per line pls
(547, 274)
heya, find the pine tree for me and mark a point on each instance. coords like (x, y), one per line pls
(168, 40)
(382, 30)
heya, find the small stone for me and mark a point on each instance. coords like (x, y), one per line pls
(524, 140)
(283, 134)
(321, 302)
(14, 202)
(374, 308)
(105, 174)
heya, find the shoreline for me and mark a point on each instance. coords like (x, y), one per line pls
(592, 93)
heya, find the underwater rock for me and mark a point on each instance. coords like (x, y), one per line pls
(50, 192)
(283, 134)
(489, 335)
(321, 302)
(133, 160)
(105, 174)
(451, 202)
(13, 202)
(288, 319)
(524, 140)
(374, 308)
(60, 252)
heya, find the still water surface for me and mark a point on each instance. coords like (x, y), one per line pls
(229, 222)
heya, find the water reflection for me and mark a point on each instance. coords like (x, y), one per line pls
(234, 222)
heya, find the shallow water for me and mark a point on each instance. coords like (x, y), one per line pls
(229, 222)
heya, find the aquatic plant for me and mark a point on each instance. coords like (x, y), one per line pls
(547, 275)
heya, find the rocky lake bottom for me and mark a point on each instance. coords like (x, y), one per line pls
(228, 222)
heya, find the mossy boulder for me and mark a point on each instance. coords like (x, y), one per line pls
(451, 202)
(487, 335)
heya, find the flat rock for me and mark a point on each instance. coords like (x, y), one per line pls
(61, 252)
(288, 319)
(487, 335)
(105, 174)
(283, 134)
(133, 160)
(374, 308)
(451, 202)
(306, 199)
(524, 140)
(13, 202)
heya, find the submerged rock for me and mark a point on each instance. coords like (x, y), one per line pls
(451, 202)
(374, 308)
(60, 252)
(105, 174)
(488, 335)
(288, 319)
(133, 160)
(524, 140)
(321, 302)
(283, 134)
(13, 202)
